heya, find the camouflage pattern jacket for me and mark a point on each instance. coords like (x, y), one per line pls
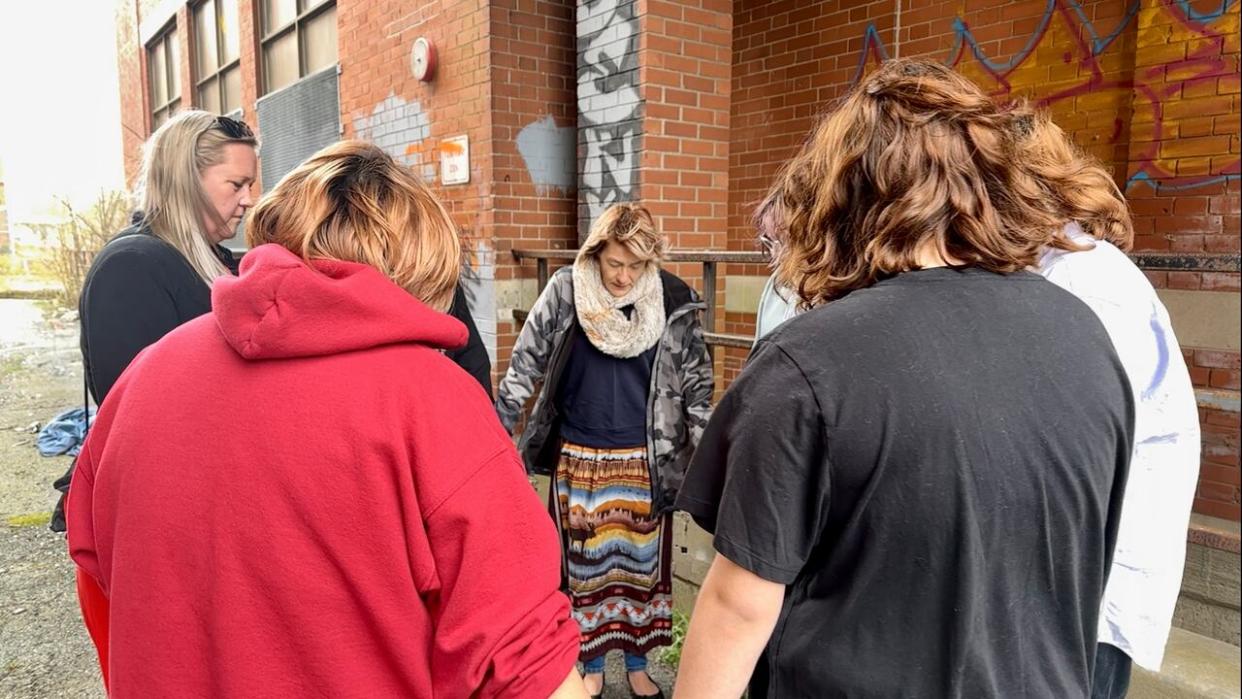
(678, 401)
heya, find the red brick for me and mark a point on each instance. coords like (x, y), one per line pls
(1220, 281)
(1223, 475)
(1225, 378)
(1218, 360)
(1218, 492)
(1213, 508)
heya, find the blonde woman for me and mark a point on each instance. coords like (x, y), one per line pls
(300, 495)
(194, 190)
(627, 385)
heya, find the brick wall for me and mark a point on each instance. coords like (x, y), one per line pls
(131, 77)
(684, 76)
(692, 105)
(1219, 476)
(1151, 88)
(248, 31)
(134, 15)
(382, 102)
(535, 129)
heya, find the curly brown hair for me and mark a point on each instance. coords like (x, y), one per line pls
(915, 157)
(1075, 186)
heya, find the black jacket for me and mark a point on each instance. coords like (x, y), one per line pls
(139, 288)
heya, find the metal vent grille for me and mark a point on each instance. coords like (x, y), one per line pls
(297, 121)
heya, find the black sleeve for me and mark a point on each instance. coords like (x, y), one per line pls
(473, 357)
(126, 306)
(759, 479)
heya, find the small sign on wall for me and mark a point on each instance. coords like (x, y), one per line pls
(455, 160)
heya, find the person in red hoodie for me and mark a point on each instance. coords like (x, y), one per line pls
(298, 494)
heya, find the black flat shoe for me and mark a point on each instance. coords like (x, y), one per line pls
(635, 695)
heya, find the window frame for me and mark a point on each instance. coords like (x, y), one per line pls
(220, 70)
(298, 26)
(171, 68)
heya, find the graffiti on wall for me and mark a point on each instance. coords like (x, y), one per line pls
(400, 128)
(1066, 36)
(403, 130)
(609, 107)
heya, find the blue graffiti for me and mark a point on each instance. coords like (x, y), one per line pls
(1204, 17)
(1162, 187)
(1099, 45)
(962, 35)
(871, 38)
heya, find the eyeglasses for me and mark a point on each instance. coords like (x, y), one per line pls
(769, 245)
(233, 128)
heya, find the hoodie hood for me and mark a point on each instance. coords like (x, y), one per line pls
(281, 307)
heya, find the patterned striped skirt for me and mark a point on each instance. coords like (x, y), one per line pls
(618, 559)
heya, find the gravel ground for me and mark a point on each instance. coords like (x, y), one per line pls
(44, 649)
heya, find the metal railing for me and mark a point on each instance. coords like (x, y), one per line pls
(711, 259)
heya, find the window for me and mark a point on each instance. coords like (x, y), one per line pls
(299, 38)
(164, 75)
(217, 56)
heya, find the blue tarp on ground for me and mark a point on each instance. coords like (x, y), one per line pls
(65, 433)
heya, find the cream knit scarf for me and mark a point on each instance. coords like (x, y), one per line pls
(601, 317)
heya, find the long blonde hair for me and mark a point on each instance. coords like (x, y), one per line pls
(170, 192)
(352, 202)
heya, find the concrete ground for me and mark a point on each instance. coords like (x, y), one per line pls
(44, 649)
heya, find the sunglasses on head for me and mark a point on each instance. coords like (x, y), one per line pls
(233, 128)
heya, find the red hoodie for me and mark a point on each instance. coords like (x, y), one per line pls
(299, 495)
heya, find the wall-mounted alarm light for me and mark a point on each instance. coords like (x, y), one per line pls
(423, 59)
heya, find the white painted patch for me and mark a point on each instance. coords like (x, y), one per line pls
(548, 151)
(399, 127)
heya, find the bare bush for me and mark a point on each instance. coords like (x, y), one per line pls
(80, 238)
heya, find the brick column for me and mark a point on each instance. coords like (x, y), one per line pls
(248, 31)
(535, 175)
(133, 87)
(685, 66)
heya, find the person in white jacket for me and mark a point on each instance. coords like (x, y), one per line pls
(1146, 573)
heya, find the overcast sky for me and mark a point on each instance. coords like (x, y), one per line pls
(60, 132)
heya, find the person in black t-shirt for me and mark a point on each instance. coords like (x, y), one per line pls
(914, 486)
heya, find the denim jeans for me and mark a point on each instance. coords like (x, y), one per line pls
(633, 663)
(1111, 678)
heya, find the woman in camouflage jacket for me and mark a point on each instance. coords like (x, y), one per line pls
(626, 391)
